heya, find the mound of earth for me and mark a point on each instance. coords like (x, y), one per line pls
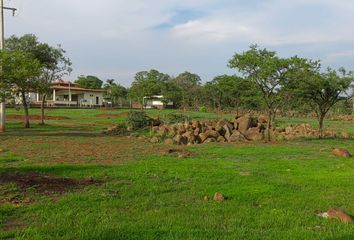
(35, 117)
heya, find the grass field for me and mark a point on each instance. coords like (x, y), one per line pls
(140, 191)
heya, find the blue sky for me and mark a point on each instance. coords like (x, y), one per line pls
(117, 38)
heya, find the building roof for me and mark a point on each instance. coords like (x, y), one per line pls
(77, 89)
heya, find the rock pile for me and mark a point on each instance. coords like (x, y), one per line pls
(240, 129)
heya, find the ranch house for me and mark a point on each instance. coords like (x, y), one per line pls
(68, 94)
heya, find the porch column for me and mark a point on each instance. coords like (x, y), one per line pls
(37, 97)
(54, 95)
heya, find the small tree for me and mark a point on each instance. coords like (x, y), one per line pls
(54, 63)
(21, 71)
(269, 72)
(321, 91)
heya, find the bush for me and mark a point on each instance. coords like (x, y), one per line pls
(203, 109)
(137, 120)
(176, 118)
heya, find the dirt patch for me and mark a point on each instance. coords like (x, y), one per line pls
(36, 117)
(181, 153)
(109, 116)
(44, 183)
(30, 184)
(105, 108)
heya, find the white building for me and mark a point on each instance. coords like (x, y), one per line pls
(68, 94)
(156, 102)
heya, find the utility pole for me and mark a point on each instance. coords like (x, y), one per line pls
(2, 43)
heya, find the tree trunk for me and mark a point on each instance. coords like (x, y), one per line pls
(25, 107)
(269, 123)
(42, 109)
(320, 124)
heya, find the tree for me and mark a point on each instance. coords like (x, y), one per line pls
(90, 82)
(269, 72)
(116, 92)
(147, 83)
(232, 92)
(321, 91)
(21, 71)
(190, 86)
(53, 60)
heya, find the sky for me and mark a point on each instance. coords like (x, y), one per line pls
(114, 39)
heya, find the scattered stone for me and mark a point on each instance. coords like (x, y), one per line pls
(345, 135)
(335, 213)
(219, 197)
(154, 140)
(183, 154)
(168, 141)
(341, 152)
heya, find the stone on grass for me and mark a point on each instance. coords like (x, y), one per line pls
(341, 152)
(336, 213)
(219, 197)
(168, 141)
(154, 140)
(345, 135)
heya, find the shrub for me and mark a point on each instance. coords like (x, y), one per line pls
(137, 120)
(176, 118)
(203, 109)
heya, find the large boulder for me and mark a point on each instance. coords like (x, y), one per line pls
(245, 122)
(180, 140)
(254, 134)
(228, 131)
(208, 134)
(237, 136)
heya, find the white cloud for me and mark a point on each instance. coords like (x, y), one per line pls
(115, 38)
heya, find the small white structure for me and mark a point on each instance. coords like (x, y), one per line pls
(156, 101)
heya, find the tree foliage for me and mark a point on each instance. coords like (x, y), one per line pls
(321, 90)
(20, 72)
(269, 72)
(147, 83)
(90, 82)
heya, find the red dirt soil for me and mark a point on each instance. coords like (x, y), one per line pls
(36, 117)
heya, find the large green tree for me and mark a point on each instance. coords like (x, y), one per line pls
(232, 92)
(189, 85)
(147, 83)
(321, 90)
(21, 72)
(90, 82)
(269, 72)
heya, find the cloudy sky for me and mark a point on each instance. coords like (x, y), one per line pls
(117, 38)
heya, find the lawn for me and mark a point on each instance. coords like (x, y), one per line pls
(128, 188)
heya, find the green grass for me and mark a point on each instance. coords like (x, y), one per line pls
(151, 195)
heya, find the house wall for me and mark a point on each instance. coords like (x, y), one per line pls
(90, 98)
